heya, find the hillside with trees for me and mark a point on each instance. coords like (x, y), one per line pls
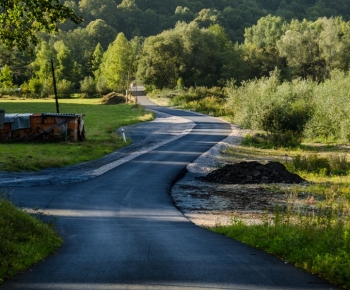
(243, 24)
(233, 45)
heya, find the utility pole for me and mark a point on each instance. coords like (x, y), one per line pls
(54, 85)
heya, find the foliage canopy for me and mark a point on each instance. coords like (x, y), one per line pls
(21, 20)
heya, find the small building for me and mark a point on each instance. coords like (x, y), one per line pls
(44, 126)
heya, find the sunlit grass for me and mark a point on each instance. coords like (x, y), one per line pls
(101, 123)
(24, 239)
(314, 235)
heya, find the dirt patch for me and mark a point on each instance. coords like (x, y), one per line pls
(248, 190)
(253, 172)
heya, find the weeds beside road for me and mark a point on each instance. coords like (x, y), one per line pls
(315, 235)
(24, 239)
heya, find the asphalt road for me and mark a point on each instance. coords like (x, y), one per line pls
(121, 230)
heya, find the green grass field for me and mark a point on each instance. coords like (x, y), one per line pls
(101, 122)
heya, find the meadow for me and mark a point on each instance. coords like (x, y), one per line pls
(101, 122)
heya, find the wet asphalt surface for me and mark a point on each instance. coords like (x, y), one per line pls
(121, 229)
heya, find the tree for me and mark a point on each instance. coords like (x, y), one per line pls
(312, 49)
(40, 68)
(260, 45)
(101, 9)
(65, 64)
(100, 32)
(116, 63)
(21, 20)
(6, 77)
(96, 60)
(194, 54)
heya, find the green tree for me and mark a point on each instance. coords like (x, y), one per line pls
(102, 9)
(21, 20)
(96, 60)
(40, 67)
(80, 46)
(260, 45)
(116, 63)
(65, 64)
(161, 60)
(312, 49)
(88, 86)
(196, 55)
(99, 31)
(6, 77)
(129, 18)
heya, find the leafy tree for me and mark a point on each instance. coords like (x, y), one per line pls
(17, 61)
(102, 9)
(116, 63)
(6, 77)
(312, 49)
(183, 14)
(88, 86)
(64, 88)
(207, 17)
(80, 46)
(64, 66)
(40, 68)
(99, 31)
(160, 63)
(20, 20)
(96, 60)
(129, 16)
(196, 55)
(35, 86)
(260, 45)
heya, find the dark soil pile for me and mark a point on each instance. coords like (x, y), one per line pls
(253, 172)
(113, 99)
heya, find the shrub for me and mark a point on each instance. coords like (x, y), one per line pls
(35, 86)
(64, 88)
(330, 165)
(88, 86)
(270, 141)
(312, 164)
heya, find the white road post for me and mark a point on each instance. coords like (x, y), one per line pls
(123, 135)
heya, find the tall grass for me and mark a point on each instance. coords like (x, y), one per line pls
(315, 239)
(312, 229)
(24, 239)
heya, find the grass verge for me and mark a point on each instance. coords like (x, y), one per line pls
(101, 122)
(314, 236)
(24, 239)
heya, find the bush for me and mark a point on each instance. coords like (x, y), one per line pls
(35, 86)
(271, 141)
(88, 86)
(331, 118)
(330, 165)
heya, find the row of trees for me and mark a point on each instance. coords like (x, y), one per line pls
(305, 49)
(97, 59)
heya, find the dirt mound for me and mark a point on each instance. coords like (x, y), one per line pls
(113, 99)
(253, 172)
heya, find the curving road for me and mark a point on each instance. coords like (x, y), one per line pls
(121, 230)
